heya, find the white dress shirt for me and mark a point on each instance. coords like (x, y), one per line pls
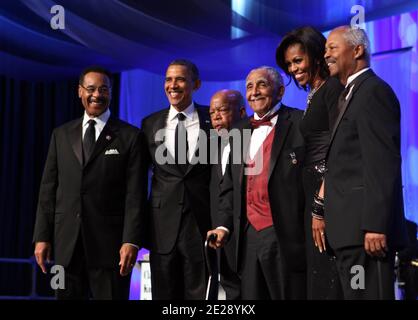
(100, 122)
(260, 134)
(351, 79)
(192, 125)
(225, 157)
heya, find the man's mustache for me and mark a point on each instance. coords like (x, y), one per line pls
(98, 100)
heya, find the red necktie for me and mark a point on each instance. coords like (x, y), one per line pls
(264, 121)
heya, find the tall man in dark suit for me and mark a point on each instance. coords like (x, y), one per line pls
(363, 187)
(178, 211)
(227, 107)
(91, 197)
(261, 198)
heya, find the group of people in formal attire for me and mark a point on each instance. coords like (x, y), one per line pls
(312, 209)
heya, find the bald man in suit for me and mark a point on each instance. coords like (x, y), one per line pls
(227, 107)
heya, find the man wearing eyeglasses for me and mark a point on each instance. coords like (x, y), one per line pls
(91, 197)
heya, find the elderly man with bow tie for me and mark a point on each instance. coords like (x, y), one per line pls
(261, 198)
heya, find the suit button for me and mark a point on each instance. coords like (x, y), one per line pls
(78, 215)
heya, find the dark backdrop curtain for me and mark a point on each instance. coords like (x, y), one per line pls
(29, 112)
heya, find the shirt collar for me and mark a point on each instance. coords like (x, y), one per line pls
(271, 111)
(188, 112)
(354, 76)
(101, 120)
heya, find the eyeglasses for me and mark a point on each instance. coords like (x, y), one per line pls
(91, 89)
(222, 111)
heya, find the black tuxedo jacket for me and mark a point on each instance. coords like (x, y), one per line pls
(173, 191)
(363, 185)
(285, 194)
(215, 182)
(102, 199)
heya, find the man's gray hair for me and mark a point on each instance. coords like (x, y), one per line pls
(273, 73)
(357, 36)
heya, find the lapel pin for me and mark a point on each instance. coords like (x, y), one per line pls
(108, 137)
(293, 157)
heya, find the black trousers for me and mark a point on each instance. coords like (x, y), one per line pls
(378, 276)
(83, 282)
(181, 274)
(230, 280)
(261, 267)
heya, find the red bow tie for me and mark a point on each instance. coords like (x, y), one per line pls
(266, 121)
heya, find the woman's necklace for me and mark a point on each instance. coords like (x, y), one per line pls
(311, 94)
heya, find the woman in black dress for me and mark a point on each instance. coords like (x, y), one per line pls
(301, 56)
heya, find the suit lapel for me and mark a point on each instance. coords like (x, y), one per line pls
(219, 157)
(357, 84)
(75, 136)
(160, 123)
(108, 134)
(282, 128)
(245, 146)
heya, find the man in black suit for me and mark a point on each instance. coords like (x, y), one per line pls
(91, 197)
(227, 107)
(363, 187)
(261, 198)
(178, 212)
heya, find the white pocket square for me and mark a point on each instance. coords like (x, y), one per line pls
(112, 151)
